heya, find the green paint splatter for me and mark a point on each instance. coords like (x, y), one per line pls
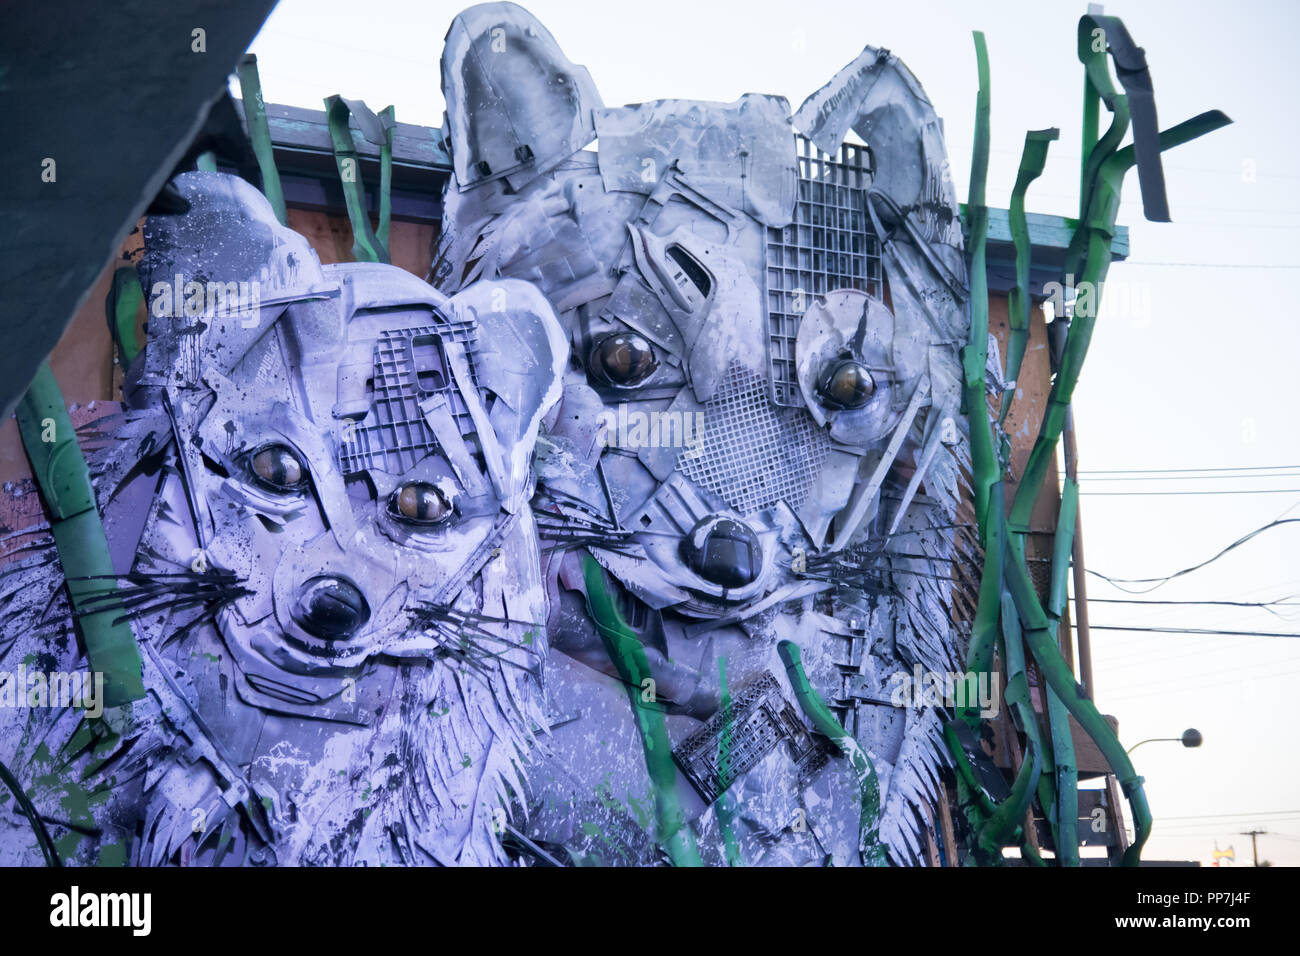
(112, 854)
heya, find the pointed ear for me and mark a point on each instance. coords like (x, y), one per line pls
(516, 105)
(217, 275)
(879, 99)
(522, 354)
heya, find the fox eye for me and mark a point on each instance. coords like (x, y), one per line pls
(623, 360)
(278, 468)
(419, 503)
(846, 384)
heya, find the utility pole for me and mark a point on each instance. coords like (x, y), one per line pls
(1254, 850)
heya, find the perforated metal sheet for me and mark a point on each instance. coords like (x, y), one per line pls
(830, 245)
(755, 723)
(394, 435)
(751, 453)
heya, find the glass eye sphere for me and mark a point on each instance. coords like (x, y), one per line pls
(279, 468)
(331, 608)
(418, 502)
(846, 384)
(723, 551)
(623, 359)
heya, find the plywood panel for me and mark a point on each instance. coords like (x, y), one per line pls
(83, 359)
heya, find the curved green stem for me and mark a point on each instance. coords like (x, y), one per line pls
(871, 851)
(1032, 161)
(259, 134)
(61, 473)
(628, 655)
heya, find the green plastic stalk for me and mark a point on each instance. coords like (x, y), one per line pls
(1016, 693)
(1032, 161)
(1018, 698)
(1007, 818)
(1067, 781)
(1067, 775)
(871, 851)
(984, 630)
(388, 116)
(366, 246)
(984, 467)
(628, 656)
(259, 134)
(1062, 547)
(1091, 127)
(121, 305)
(61, 473)
(986, 481)
(1040, 638)
(1099, 229)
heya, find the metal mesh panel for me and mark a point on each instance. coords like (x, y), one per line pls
(410, 367)
(751, 454)
(755, 723)
(830, 245)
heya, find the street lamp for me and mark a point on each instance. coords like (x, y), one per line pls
(1191, 738)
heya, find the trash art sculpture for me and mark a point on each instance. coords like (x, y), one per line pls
(640, 534)
(747, 495)
(316, 510)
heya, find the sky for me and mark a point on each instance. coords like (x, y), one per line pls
(1193, 362)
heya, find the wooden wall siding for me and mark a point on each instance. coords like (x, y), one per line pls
(84, 361)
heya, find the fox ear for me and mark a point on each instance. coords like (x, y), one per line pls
(516, 105)
(522, 354)
(878, 98)
(217, 275)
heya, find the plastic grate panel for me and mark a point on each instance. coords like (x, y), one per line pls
(394, 436)
(830, 245)
(751, 454)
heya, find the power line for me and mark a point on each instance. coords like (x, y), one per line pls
(1187, 688)
(1186, 630)
(1225, 170)
(1192, 828)
(1152, 655)
(1171, 471)
(1212, 265)
(1254, 476)
(1209, 826)
(1209, 224)
(1223, 491)
(1141, 650)
(1247, 685)
(1262, 592)
(1157, 582)
(1155, 645)
(1225, 830)
(1134, 202)
(1281, 602)
(1219, 816)
(1146, 685)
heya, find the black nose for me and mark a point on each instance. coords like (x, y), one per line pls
(723, 551)
(330, 608)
